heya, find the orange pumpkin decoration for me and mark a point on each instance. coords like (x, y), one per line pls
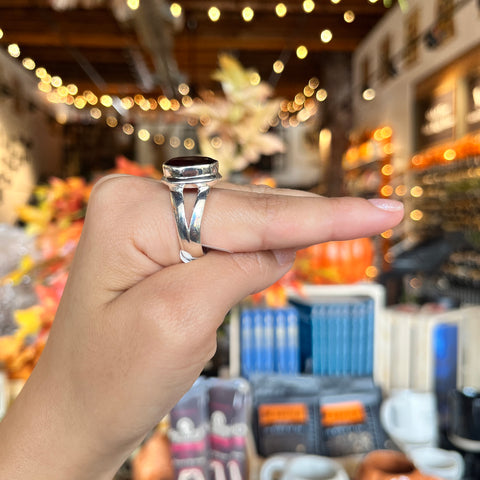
(335, 262)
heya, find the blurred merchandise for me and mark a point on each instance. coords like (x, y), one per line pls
(332, 416)
(209, 430)
(389, 465)
(335, 262)
(295, 466)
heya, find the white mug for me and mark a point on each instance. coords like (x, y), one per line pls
(302, 467)
(445, 464)
(410, 418)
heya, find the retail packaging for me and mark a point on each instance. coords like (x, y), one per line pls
(332, 416)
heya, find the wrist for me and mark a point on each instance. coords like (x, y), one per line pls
(44, 437)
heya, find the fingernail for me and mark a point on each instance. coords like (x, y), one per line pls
(284, 256)
(387, 205)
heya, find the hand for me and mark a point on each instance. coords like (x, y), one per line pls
(135, 326)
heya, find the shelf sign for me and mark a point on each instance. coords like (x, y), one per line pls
(473, 103)
(436, 119)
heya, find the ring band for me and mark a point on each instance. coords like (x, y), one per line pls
(182, 173)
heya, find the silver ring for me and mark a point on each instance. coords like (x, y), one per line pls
(182, 173)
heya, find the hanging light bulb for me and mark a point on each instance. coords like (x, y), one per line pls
(302, 52)
(326, 35)
(214, 14)
(308, 6)
(349, 16)
(247, 14)
(281, 10)
(278, 66)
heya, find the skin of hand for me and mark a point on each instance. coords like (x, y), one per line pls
(135, 326)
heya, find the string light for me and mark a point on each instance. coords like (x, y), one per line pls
(302, 52)
(278, 66)
(128, 129)
(326, 35)
(111, 121)
(321, 95)
(106, 100)
(349, 16)
(281, 10)
(254, 78)
(308, 6)
(133, 4)
(175, 9)
(247, 14)
(13, 50)
(143, 134)
(214, 14)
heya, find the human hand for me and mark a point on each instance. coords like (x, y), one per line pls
(135, 326)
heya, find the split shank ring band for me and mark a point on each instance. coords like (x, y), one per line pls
(182, 173)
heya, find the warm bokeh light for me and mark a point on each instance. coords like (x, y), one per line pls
(254, 78)
(416, 215)
(313, 83)
(321, 95)
(349, 16)
(248, 13)
(175, 9)
(40, 72)
(174, 142)
(127, 103)
(28, 63)
(143, 135)
(386, 132)
(308, 91)
(133, 4)
(128, 129)
(386, 190)
(95, 113)
(214, 14)
(281, 10)
(326, 36)
(401, 190)
(387, 234)
(183, 89)
(159, 139)
(302, 52)
(216, 142)
(189, 143)
(371, 272)
(278, 66)
(187, 101)
(165, 103)
(56, 81)
(449, 154)
(416, 191)
(1, 33)
(13, 50)
(369, 94)
(80, 102)
(111, 121)
(387, 170)
(106, 100)
(72, 89)
(308, 6)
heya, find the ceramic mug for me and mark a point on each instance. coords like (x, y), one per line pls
(445, 464)
(302, 467)
(389, 465)
(410, 419)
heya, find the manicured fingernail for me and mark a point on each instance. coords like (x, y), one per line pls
(387, 205)
(284, 256)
